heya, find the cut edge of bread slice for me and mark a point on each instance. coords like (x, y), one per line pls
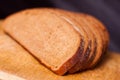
(27, 37)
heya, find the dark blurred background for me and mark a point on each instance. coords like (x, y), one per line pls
(108, 11)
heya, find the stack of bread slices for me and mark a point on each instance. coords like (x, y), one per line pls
(63, 41)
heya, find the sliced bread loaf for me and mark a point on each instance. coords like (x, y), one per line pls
(63, 41)
(48, 37)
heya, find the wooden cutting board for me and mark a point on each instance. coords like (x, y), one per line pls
(17, 64)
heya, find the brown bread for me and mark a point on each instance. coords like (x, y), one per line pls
(63, 41)
(87, 37)
(44, 35)
(83, 23)
(83, 66)
(14, 60)
(103, 35)
(102, 29)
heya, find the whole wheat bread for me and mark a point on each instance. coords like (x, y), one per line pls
(49, 38)
(62, 41)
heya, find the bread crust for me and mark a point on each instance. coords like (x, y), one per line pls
(103, 31)
(100, 41)
(89, 59)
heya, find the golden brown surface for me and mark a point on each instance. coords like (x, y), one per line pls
(0, 25)
(44, 35)
(84, 31)
(14, 60)
(57, 38)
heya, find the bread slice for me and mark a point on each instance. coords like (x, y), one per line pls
(89, 52)
(88, 40)
(48, 37)
(103, 31)
(100, 41)
(61, 40)
(85, 65)
(16, 61)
